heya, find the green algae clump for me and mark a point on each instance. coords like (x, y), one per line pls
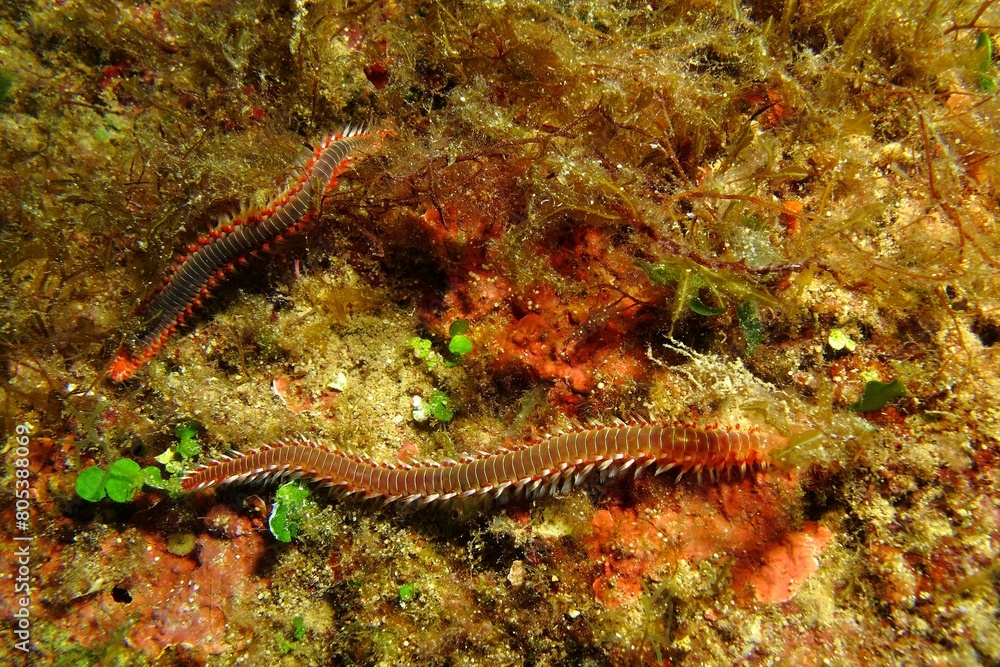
(90, 484)
(292, 502)
(120, 483)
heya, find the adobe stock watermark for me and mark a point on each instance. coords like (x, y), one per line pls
(23, 535)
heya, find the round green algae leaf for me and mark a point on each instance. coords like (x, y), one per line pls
(185, 430)
(407, 592)
(460, 345)
(124, 479)
(839, 340)
(90, 484)
(279, 525)
(153, 477)
(299, 628)
(439, 406)
(458, 327)
(181, 544)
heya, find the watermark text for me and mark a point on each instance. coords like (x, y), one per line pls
(23, 537)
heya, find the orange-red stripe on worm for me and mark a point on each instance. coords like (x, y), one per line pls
(232, 242)
(553, 464)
